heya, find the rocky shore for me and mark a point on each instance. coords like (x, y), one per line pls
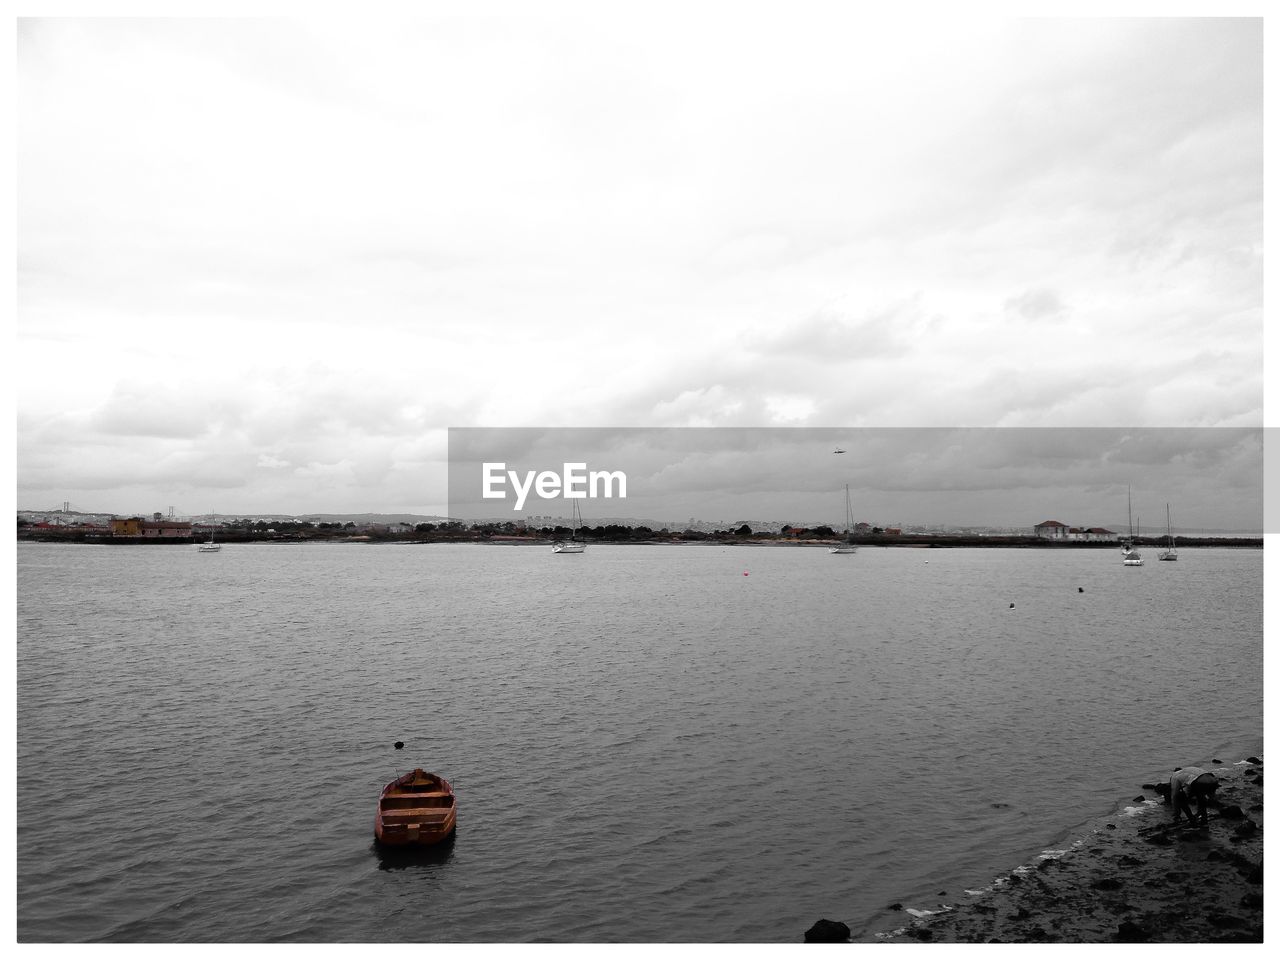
(1132, 877)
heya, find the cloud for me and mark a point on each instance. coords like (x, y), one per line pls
(829, 337)
(1035, 304)
(994, 476)
(264, 242)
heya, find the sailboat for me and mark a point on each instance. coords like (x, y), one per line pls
(1170, 552)
(848, 546)
(209, 546)
(573, 544)
(1132, 558)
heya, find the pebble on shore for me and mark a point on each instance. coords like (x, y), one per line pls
(1135, 877)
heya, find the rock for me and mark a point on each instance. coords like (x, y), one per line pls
(894, 906)
(1239, 936)
(1215, 855)
(1252, 760)
(921, 933)
(1231, 812)
(1225, 921)
(1139, 799)
(1148, 786)
(1107, 883)
(1252, 901)
(1216, 762)
(1130, 932)
(827, 931)
(1246, 829)
(1254, 875)
(1111, 826)
(399, 744)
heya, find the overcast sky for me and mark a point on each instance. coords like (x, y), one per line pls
(986, 476)
(264, 264)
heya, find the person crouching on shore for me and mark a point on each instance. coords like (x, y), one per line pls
(1191, 783)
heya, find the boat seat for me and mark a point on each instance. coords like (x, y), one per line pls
(401, 817)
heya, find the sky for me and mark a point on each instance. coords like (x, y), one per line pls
(263, 265)
(1001, 477)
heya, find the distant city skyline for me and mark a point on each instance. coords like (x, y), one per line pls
(375, 230)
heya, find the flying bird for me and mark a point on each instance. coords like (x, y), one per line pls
(837, 450)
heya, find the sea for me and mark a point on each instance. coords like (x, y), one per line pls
(649, 744)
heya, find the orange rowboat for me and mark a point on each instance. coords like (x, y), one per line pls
(417, 809)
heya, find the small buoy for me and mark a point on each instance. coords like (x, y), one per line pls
(1011, 606)
(1081, 589)
(399, 744)
(926, 561)
(745, 574)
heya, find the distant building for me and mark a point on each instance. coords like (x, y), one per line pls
(150, 529)
(1052, 530)
(166, 530)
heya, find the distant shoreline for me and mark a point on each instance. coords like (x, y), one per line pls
(907, 541)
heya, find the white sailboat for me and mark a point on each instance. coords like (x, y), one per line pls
(848, 546)
(1132, 558)
(573, 544)
(1170, 552)
(209, 546)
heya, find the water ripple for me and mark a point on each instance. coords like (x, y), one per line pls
(645, 748)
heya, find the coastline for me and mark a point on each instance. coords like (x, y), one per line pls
(911, 542)
(1131, 877)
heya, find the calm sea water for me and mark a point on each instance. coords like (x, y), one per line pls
(647, 745)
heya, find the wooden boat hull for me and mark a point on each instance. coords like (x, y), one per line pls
(416, 810)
